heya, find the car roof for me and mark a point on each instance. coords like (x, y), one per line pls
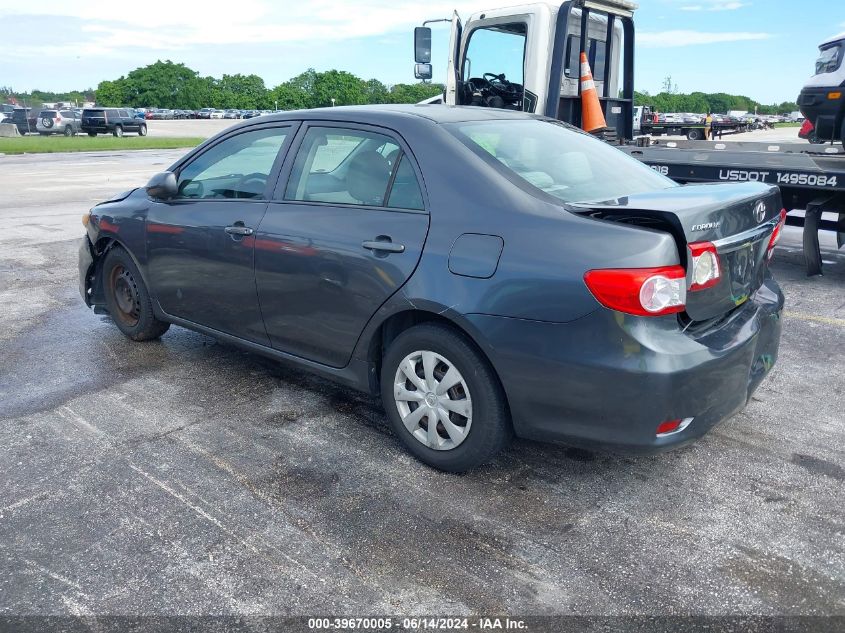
(396, 113)
(833, 39)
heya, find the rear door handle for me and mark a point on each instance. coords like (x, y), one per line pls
(239, 229)
(385, 246)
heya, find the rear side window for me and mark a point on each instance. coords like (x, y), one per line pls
(596, 55)
(112, 114)
(68, 114)
(405, 192)
(341, 166)
(349, 166)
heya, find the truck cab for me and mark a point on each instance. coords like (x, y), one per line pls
(527, 58)
(822, 99)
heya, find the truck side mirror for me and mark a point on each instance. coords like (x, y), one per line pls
(163, 186)
(422, 71)
(422, 45)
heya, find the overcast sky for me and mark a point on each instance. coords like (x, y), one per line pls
(763, 48)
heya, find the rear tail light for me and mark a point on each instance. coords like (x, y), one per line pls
(704, 264)
(773, 240)
(639, 291)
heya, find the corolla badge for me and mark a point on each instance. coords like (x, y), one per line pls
(760, 211)
(705, 225)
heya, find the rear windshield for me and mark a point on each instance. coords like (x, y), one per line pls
(565, 163)
(830, 56)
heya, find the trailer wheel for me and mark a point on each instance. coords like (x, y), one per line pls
(694, 134)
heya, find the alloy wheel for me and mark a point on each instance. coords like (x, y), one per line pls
(433, 400)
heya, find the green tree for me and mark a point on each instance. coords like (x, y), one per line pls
(162, 84)
(375, 91)
(338, 85)
(413, 93)
(287, 96)
(245, 92)
(111, 93)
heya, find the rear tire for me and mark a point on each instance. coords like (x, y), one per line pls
(142, 130)
(118, 131)
(695, 134)
(127, 298)
(476, 426)
(92, 134)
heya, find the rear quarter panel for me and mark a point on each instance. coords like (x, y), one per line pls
(546, 249)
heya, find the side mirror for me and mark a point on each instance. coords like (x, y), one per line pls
(163, 186)
(422, 45)
(422, 71)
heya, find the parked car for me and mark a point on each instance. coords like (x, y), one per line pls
(6, 110)
(163, 114)
(24, 118)
(58, 122)
(232, 114)
(204, 113)
(216, 114)
(114, 120)
(518, 304)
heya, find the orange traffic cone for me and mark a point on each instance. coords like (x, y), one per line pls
(592, 118)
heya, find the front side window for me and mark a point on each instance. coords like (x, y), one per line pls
(829, 59)
(343, 166)
(498, 50)
(564, 163)
(237, 167)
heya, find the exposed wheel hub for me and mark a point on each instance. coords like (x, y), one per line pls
(125, 292)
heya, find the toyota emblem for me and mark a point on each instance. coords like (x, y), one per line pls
(760, 211)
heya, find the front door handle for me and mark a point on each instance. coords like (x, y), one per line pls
(383, 245)
(239, 229)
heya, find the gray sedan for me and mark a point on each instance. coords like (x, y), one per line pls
(485, 272)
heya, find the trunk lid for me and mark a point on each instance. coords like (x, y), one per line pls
(737, 218)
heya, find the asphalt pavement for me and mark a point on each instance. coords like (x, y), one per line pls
(185, 476)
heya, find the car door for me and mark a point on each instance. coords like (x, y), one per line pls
(129, 124)
(200, 244)
(343, 232)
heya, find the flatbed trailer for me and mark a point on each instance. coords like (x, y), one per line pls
(810, 177)
(693, 131)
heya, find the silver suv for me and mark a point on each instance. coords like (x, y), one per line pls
(65, 122)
